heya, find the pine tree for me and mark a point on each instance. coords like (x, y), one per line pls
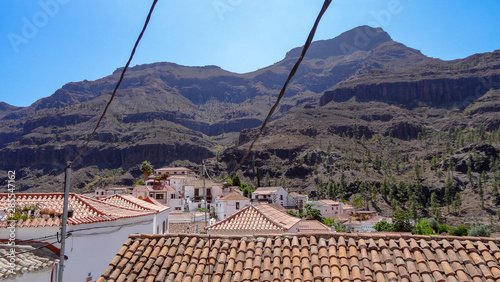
(469, 173)
(457, 203)
(414, 207)
(449, 186)
(435, 206)
(331, 190)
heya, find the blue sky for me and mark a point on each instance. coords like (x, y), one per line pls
(47, 43)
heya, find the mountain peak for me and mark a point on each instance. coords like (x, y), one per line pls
(359, 38)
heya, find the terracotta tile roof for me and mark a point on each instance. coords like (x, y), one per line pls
(320, 257)
(256, 219)
(313, 226)
(28, 259)
(296, 194)
(131, 202)
(186, 227)
(85, 210)
(329, 202)
(233, 196)
(266, 190)
(154, 201)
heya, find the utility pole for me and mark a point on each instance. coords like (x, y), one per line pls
(64, 220)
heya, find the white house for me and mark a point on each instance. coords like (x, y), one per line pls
(365, 225)
(194, 193)
(101, 193)
(329, 208)
(160, 190)
(96, 228)
(296, 201)
(272, 195)
(174, 171)
(229, 204)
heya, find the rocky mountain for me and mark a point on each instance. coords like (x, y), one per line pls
(358, 101)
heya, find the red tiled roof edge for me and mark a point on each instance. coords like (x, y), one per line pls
(278, 224)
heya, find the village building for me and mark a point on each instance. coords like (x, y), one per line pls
(194, 194)
(160, 190)
(229, 204)
(310, 257)
(361, 221)
(171, 171)
(257, 219)
(101, 193)
(94, 226)
(296, 202)
(329, 208)
(272, 195)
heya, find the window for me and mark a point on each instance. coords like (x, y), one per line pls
(159, 196)
(172, 196)
(237, 205)
(281, 197)
(164, 227)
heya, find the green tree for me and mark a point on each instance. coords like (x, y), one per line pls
(479, 231)
(443, 228)
(461, 230)
(236, 180)
(313, 213)
(434, 162)
(494, 192)
(414, 207)
(435, 205)
(401, 221)
(383, 226)
(357, 203)
(402, 191)
(449, 187)
(478, 160)
(457, 203)
(147, 169)
(328, 221)
(434, 224)
(292, 213)
(422, 228)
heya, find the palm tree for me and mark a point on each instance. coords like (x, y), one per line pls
(147, 169)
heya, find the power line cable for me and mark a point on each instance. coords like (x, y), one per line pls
(290, 76)
(117, 85)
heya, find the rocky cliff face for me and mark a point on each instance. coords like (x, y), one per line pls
(432, 92)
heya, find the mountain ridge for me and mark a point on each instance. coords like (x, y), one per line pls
(171, 114)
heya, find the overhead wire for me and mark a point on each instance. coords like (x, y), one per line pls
(290, 76)
(116, 87)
